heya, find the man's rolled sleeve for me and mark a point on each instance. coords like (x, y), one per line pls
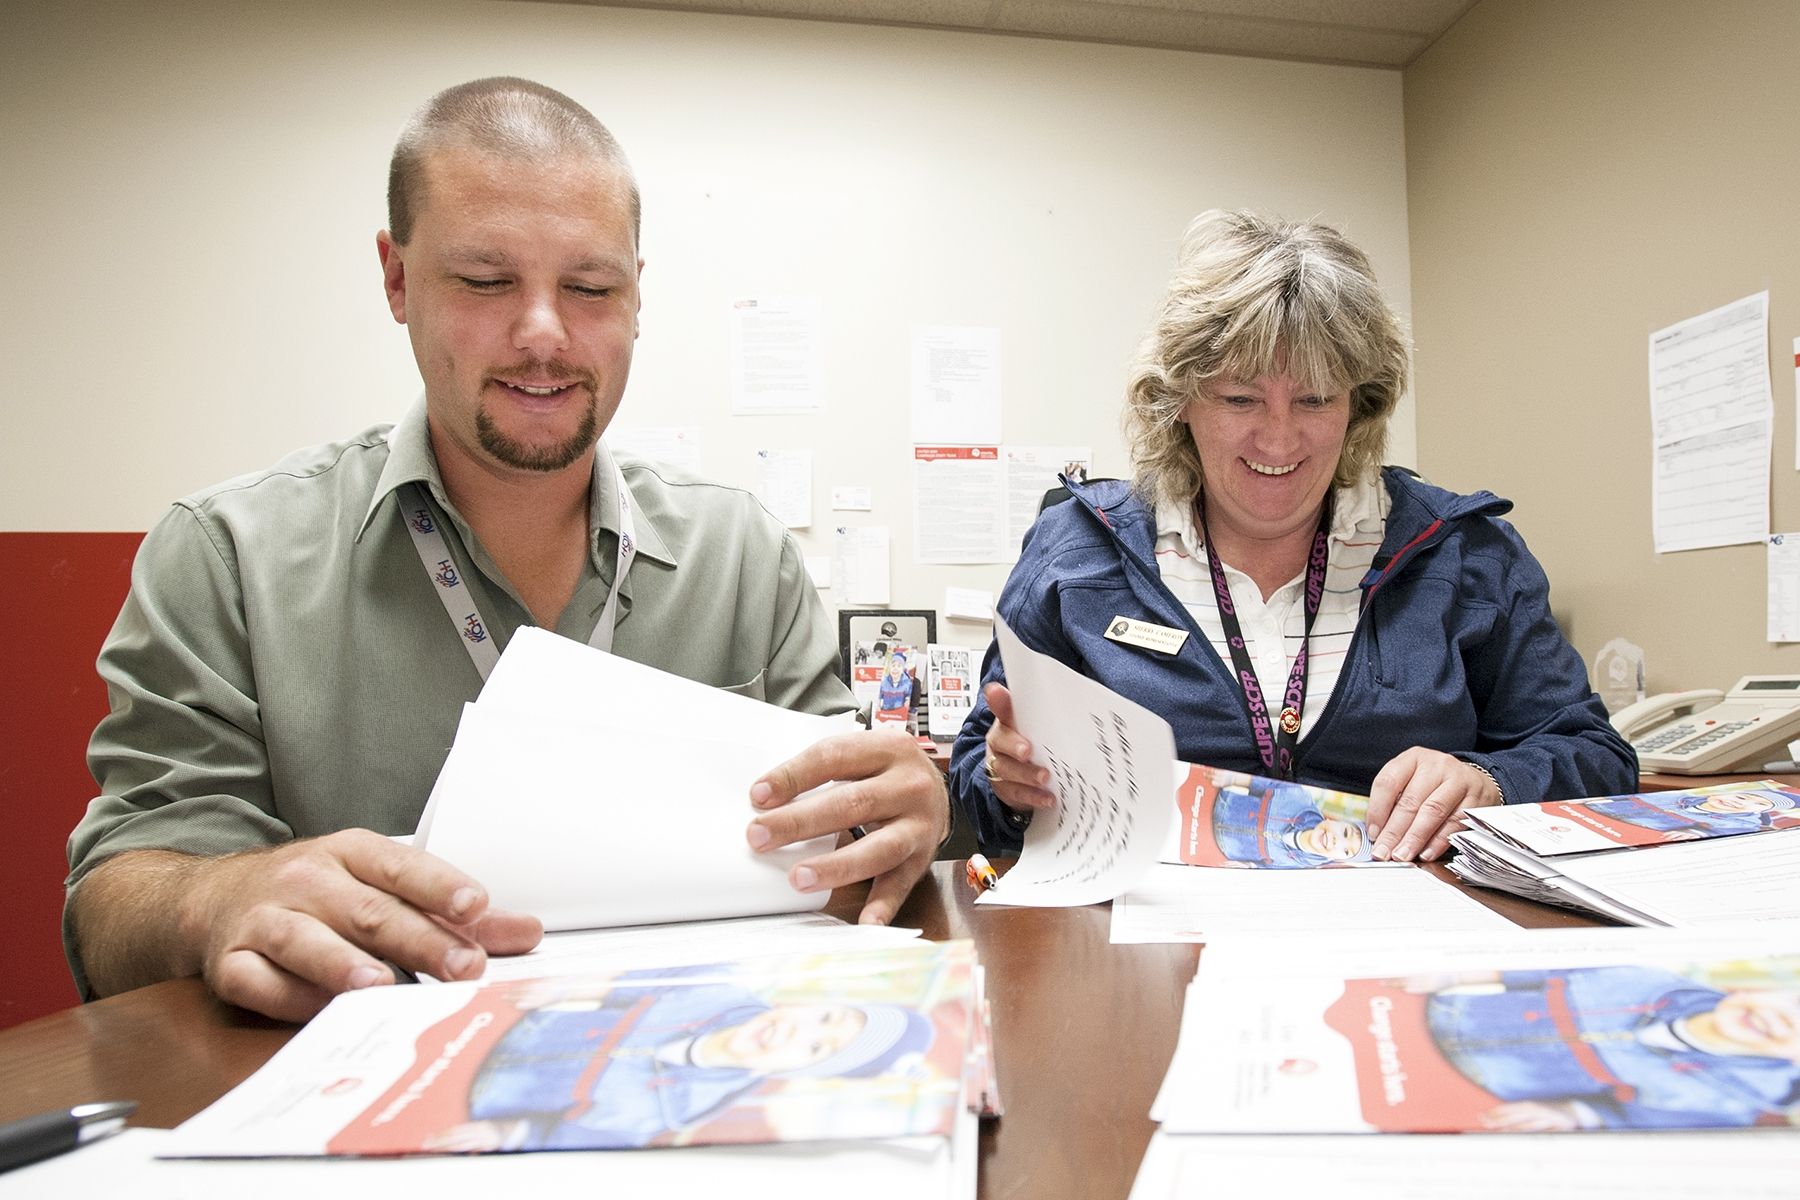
(180, 759)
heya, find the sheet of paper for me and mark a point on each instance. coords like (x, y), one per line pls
(524, 805)
(1679, 885)
(1030, 472)
(968, 604)
(1112, 771)
(859, 565)
(677, 445)
(602, 951)
(956, 514)
(852, 499)
(1194, 904)
(1446, 1047)
(1711, 413)
(889, 1169)
(1784, 587)
(1619, 1166)
(818, 569)
(589, 825)
(784, 484)
(777, 355)
(955, 385)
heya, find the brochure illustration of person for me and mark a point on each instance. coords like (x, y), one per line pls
(896, 690)
(1619, 1048)
(1686, 815)
(1279, 825)
(629, 1066)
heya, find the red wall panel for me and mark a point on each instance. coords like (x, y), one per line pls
(60, 593)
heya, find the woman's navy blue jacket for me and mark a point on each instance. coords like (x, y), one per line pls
(1455, 650)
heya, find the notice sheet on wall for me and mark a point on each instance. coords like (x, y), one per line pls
(1784, 587)
(957, 514)
(784, 485)
(777, 355)
(1030, 472)
(955, 385)
(1711, 411)
(859, 564)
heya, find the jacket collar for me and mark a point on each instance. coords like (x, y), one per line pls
(1419, 514)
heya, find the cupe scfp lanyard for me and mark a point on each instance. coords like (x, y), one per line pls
(434, 553)
(1275, 747)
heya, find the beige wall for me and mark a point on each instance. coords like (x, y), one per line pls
(192, 190)
(1579, 175)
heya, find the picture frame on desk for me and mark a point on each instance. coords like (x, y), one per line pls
(907, 626)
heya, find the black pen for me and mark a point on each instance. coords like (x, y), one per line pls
(56, 1132)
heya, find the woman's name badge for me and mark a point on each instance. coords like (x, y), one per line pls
(1146, 636)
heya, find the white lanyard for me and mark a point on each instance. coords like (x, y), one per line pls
(459, 604)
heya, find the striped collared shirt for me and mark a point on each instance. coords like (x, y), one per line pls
(1275, 629)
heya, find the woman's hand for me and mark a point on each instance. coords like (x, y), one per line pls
(1015, 779)
(1416, 800)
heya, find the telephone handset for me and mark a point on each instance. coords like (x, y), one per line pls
(1704, 731)
(1635, 720)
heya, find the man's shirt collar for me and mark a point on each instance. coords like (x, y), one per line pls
(411, 460)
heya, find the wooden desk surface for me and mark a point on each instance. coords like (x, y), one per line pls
(1083, 1031)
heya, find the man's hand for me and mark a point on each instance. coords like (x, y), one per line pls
(1020, 784)
(281, 931)
(886, 785)
(1416, 800)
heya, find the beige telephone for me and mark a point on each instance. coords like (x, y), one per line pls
(1705, 731)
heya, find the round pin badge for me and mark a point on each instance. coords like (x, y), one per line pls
(1290, 721)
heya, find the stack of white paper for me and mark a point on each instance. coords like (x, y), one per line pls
(590, 790)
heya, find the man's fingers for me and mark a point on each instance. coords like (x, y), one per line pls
(422, 880)
(312, 895)
(833, 810)
(887, 894)
(502, 931)
(248, 980)
(843, 756)
(865, 858)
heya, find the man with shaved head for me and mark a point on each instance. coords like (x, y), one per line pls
(287, 672)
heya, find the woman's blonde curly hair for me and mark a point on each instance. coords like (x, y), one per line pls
(1254, 296)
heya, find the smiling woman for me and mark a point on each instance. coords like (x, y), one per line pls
(1319, 617)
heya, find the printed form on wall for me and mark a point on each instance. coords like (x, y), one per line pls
(1711, 413)
(1784, 587)
(859, 567)
(785, 485)
(956, 518)
(955, 385)
(777, 355)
